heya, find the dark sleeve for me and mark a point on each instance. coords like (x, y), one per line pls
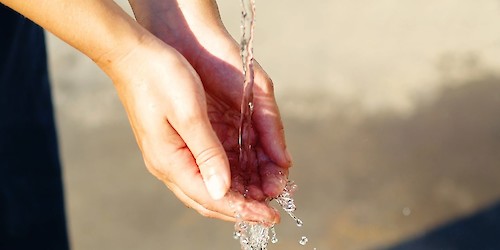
(31, 197)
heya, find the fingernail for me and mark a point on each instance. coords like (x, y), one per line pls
(216, 187)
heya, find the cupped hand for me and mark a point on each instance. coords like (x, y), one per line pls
(195, 30)
(266, 174)
(216, 58)
(172, 117)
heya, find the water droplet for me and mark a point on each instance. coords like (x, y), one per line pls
(245, 240)
(242, 226)
(299, 222)
(406, 211)
(292, 187)
(236, 235)
(303, 241)
(274, 239)
(290, 207)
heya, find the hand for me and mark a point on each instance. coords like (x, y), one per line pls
(194, 29)
(167, 108)
(223, 81)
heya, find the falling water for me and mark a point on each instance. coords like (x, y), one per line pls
(251, 236)
(248, 24)
(255, 236)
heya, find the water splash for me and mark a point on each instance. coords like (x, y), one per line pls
(303, 241)
(254, 236)
(287, 203)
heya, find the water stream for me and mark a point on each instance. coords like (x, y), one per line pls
(246, 46)
(255, 236)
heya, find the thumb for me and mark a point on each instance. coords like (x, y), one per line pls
(210, 156)
(188, 116)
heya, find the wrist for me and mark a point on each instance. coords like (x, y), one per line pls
(112, 60)
(183, 24)
(142, 62)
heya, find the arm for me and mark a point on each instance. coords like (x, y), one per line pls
(99, 29)
(162, 95)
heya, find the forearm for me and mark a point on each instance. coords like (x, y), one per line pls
(98, 28)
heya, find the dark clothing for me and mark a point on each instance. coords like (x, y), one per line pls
(31, 196)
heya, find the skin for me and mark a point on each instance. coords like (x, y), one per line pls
(177, 73)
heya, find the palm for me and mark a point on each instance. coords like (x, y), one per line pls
(225, 122)
(223, 81)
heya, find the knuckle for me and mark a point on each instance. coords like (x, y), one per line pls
(209, 154)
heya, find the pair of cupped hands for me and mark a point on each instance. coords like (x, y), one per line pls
(182, 91)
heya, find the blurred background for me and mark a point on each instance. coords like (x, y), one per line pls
(392, 114)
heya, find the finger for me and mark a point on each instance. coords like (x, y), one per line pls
(198, 207)
(189, 118)
(254, 184)
(170, 161)
(274, 179)
(193, 187)
(273, 176)
(267, 120)
(209, 156)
